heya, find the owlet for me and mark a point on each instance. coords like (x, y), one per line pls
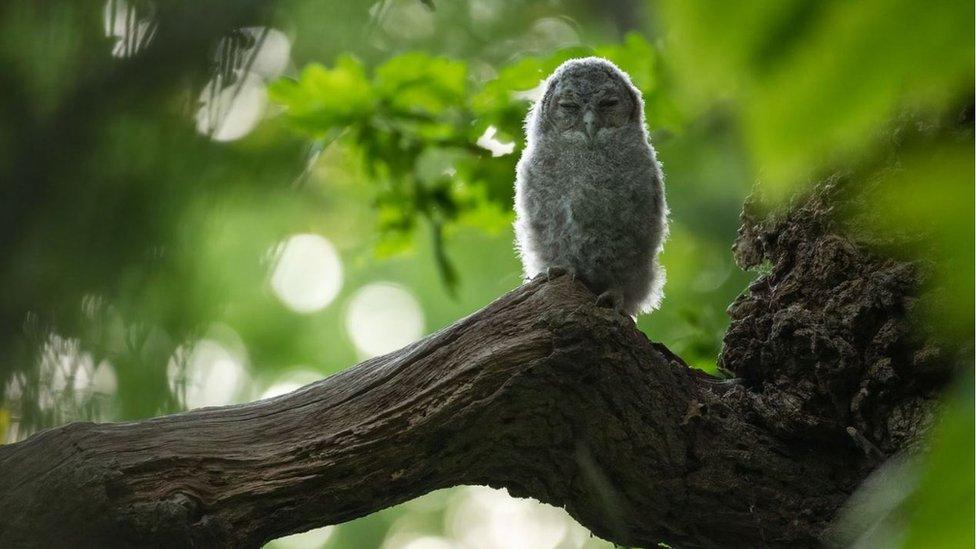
(589, 192)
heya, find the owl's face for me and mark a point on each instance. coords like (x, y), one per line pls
(589, 105)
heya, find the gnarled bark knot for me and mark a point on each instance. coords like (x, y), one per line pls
(541, 392)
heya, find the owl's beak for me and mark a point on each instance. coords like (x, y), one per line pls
(589, 123)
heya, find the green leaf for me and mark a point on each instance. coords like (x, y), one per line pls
(322, 98)
(418, 83)
(943, 211)
(819, 82)
(847, 78)
(941, 510)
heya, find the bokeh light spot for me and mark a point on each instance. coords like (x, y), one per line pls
(383, 317)
(230, 112)
(551, 33)
(485, 518)
(419, 542)
(532, 95)
(291, 381)
(404, 20)
(211, 372)
(308, 273)
(489, 142)
(273, 52)
(131, 29)
(313, 539)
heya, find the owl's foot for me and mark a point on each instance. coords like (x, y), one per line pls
(611, 299)
(552, 273)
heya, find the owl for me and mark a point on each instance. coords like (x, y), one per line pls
(589, 192)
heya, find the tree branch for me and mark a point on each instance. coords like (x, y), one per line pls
(543, 393)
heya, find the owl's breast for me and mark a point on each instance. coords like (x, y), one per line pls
(607, 201)
(574, 201)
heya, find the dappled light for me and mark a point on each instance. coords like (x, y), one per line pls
(478, 517)
(382, 317)
(290, 381)
(230, 112)
(212, 371)
(307, 275)
(132, 27)
(69, 383)
(486, 518)
(531, 95)
(313, 539)
(418, 542)
(71, 375)
(235, 100)
(271, 53)
(403, 20)
(488, 142)
(550, 33)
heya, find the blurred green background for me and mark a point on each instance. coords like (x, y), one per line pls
(209, 203)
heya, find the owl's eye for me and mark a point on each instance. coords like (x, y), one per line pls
(569, 106)
(609, 102)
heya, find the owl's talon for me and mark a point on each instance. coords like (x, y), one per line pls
(553, 273)
(611, 300)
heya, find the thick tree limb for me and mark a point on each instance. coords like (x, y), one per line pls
(543, 393)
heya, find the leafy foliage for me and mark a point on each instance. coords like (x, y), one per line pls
(819, 82)
(416, 123)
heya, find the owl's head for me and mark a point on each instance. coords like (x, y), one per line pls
(588, 101)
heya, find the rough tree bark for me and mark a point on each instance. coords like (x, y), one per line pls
(549, 396)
